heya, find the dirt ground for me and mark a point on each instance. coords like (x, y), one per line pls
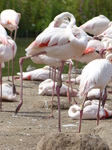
(32, 125)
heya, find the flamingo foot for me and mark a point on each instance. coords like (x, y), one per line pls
(110, 92)
(51, 116)
(18, 108)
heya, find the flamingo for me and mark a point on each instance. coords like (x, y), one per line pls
(7, 93)
(59, 43)
(106, 33)
(9, 18)
(90, 111)
(6, 52)
(40, 74)
(45, 88)
(91, 53)
(96, 74)
(3, 35)
(96, 25)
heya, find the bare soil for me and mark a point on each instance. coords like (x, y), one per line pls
(32, 129)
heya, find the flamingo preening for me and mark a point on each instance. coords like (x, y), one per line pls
(59, 43)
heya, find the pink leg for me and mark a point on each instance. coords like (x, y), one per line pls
(99, 108)
(104, 97)
(76, 70)
(69, 78)
(13, 86)
(59, 84)
(9, 61)
(21, 94)
(81, 113)
(53, 93)
(1, 88)
(8, 71)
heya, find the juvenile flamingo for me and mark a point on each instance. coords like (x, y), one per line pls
(60, 43)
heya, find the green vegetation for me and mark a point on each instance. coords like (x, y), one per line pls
(37, 14)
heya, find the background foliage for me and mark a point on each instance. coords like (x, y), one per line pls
(37, 14)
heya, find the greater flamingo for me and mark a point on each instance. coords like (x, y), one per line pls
(90, 111)
(45, 88)
(7, 93)
(3, 35)
(9, 18)
(60, 43)
(6, 54)
(96, 25)
(96, 74)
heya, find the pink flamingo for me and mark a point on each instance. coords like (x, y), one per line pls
(96, 74)
(96, 25)
(10, 19)
(7, 93)
(59, 43)
(45, 88)
(6, 53)
(89, 111)
(3, 35)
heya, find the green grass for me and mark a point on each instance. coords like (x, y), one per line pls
(22, 43)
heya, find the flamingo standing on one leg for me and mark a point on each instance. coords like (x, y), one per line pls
(96, 74)
(6, 52)
(10, 19)
(60, 43)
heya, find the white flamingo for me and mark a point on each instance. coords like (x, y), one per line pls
(90, 111)
(96, 25)
(96, 74)
(60, 43)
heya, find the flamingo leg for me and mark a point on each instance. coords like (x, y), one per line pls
(59, 84)
(1, 88)
(13, 86)
(98, 117)
(21, 94)
(76, 70)
(81, 112)
(53, 93)
(15, 33)
(69, 78)
(8, 71)
(104, 97)
(9, 61)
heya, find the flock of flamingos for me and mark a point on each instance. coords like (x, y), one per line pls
(60, 43)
